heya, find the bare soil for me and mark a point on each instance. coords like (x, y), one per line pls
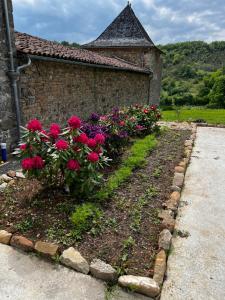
(26, 208)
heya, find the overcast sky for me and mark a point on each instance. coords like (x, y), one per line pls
(81, 21)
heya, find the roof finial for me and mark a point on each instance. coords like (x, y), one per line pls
(129, 3)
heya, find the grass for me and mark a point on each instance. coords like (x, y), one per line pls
(211, 116)
(136, 159)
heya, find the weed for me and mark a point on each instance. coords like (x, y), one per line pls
(154, 216)
(25, 225)
(144, 177)
(128, 243)
(127, 247)
(157, 172)
(151, 192)
(110, 291)
(136, 213)
(121, 203)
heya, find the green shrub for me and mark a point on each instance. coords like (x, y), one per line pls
(84, 217)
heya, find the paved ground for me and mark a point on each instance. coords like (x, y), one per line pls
(26, 277)
(196, 266)
(12, 164)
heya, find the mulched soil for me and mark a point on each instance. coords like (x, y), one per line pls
(45, 214)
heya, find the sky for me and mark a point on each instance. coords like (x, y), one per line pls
(81, 21)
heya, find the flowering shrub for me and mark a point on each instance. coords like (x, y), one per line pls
(121, 124)
(62, 157)
(72, 156)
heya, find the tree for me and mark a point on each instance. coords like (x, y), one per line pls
(217, 94)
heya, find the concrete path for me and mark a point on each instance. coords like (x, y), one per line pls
(26, 277)
(196, 265)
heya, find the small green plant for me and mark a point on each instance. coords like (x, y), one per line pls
(25, 225)
(151, 192)
(136, 214)
(127, 247)
(177, 109)
(157, 172)
(84, 217)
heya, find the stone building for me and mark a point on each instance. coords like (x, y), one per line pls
(127, 39)
(122, 67)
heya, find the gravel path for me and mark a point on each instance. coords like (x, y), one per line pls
(196, 265)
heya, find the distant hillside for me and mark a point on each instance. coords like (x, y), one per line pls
(188, 67)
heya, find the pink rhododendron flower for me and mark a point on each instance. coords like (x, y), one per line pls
(93, 157)
(103, 118)
(122, 123)
(153, 107)
(139, 127)
(23, 147)
(73, 165)
(61, 145)
(100, 138)
(82, 138)
(38, 162)
(54, 131)
(34, 125)
(92, 143)
(74, 122)
(56, 127)
(27, 163)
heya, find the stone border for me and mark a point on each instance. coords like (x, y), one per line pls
(73, 259)
(169, 212)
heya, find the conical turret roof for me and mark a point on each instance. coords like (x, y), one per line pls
(125, 31)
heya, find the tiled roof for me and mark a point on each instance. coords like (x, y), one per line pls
(36, 46)
(126, 30)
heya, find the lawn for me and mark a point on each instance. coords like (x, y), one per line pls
(211, 116)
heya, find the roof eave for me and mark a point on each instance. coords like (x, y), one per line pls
(82, 63)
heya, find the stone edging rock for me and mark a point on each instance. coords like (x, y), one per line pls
(73, 259)
(9, 179)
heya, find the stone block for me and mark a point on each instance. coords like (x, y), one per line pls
(144, 285)
(101, 270)
(72, 258)
(165, 238)
(5, 237)
(160, 267)
(22, 243)
(45, 248)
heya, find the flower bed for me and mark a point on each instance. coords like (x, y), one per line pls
(72, 156)
(117, 219)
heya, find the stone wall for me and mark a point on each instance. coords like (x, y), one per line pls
(144, 57)
(133, 55)
(153, 58)
(8, 132)
(53, 91)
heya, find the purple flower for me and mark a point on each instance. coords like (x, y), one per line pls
(94, 117)
(123, 134)
(92, 129)
(115, 110)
